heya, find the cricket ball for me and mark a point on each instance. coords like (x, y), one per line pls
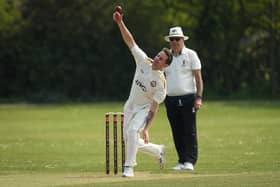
(118, 9)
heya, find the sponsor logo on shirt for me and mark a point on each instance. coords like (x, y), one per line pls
(141, 85)
(153, 83)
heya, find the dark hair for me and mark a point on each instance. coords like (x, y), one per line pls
(168, 54)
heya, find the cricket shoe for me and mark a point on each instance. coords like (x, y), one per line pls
(188, 166)
(128, 172)
(161, 157)
(178, 167)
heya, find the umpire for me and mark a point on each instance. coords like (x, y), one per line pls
(184, 98)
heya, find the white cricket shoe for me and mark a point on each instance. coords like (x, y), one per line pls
(128, 172)
(161, 157)
(178, 167)
(188, 166)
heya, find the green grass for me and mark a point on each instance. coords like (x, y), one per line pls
(63, 145)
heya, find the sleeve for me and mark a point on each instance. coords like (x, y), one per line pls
(195, 61)
(160, 93)
(138, 54)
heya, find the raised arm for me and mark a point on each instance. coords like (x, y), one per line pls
(126, 35)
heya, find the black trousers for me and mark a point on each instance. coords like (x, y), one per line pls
(182, 119)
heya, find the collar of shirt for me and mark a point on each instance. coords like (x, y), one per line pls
(183, 51)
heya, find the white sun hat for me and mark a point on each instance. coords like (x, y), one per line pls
(175, 32)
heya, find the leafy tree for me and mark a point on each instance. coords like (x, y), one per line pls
(55, 50)
(10, 27)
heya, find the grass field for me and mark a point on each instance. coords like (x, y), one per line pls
(63, 145)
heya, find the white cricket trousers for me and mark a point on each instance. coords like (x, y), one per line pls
(134, 119)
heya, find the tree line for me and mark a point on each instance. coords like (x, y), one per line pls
(61, 50)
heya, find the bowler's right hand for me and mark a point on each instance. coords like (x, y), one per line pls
(117, 17)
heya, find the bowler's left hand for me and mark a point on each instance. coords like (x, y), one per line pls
(146, 136)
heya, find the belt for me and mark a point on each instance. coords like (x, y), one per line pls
(180, 96)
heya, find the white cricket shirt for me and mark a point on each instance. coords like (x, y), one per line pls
(179, 76)
(147, 84)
